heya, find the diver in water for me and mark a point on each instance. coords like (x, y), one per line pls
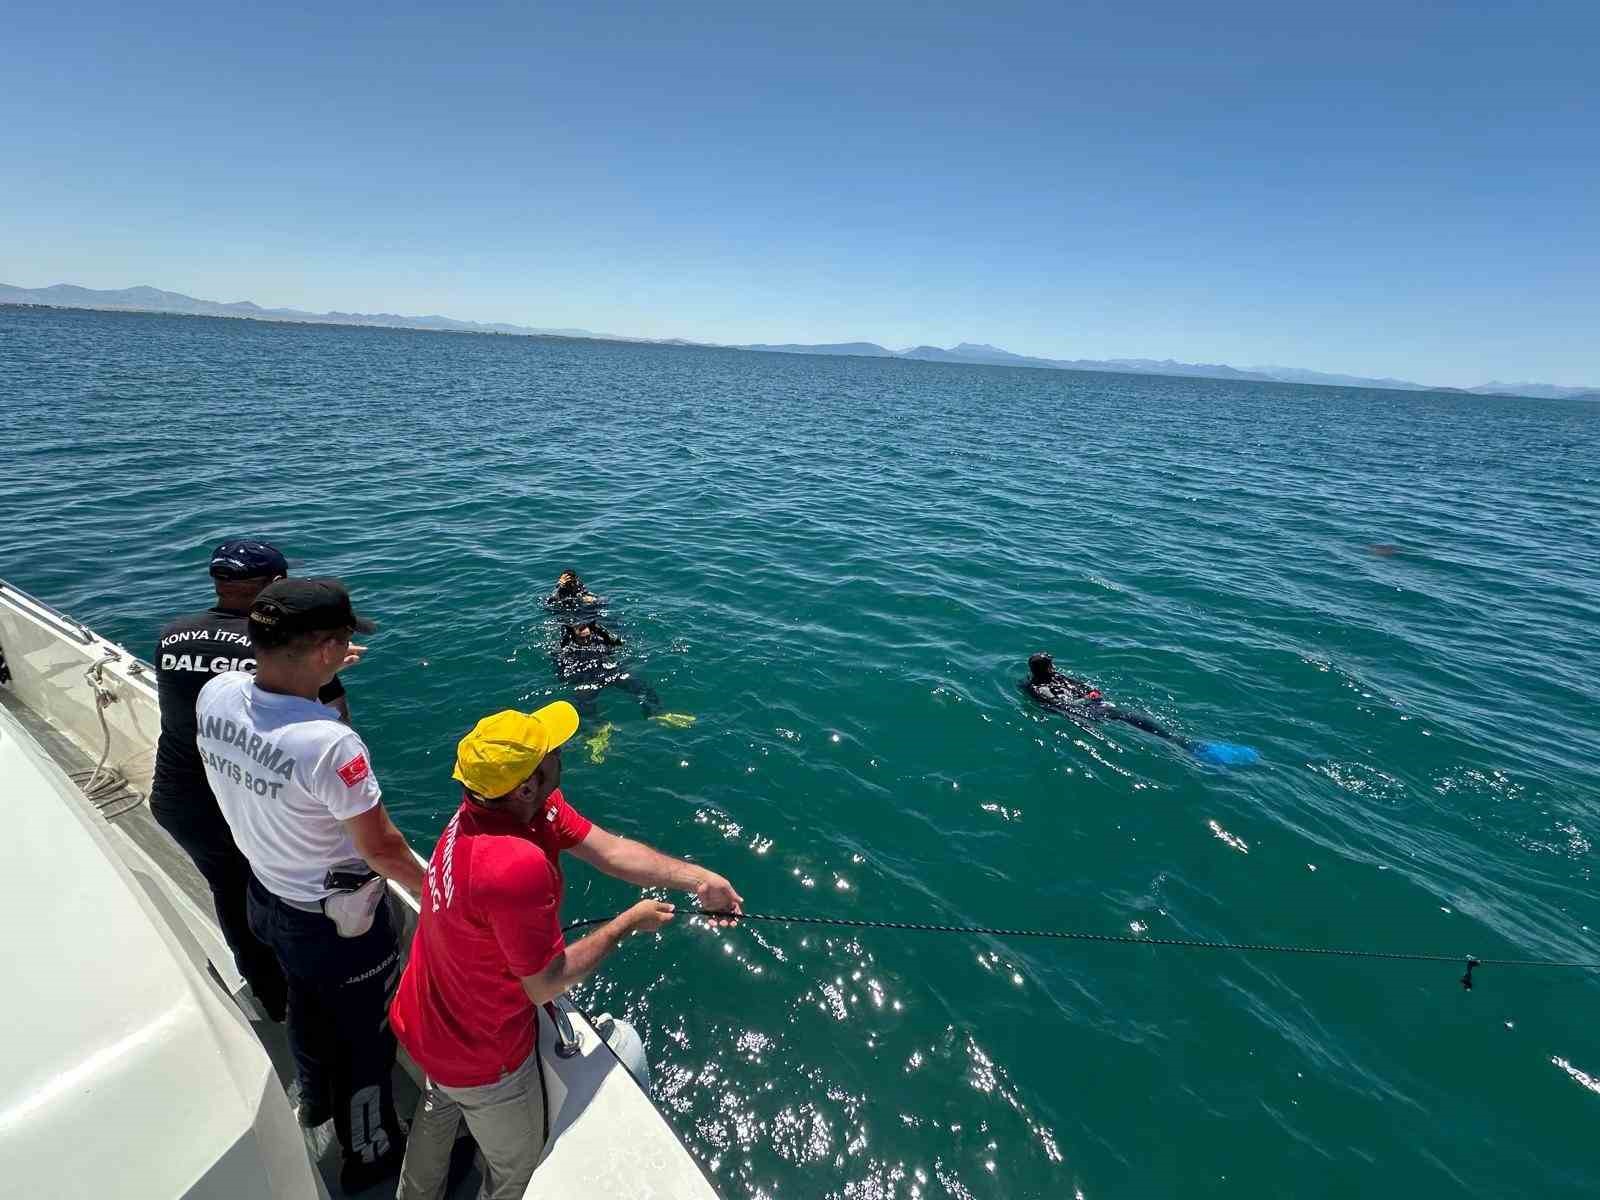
(589, 635)
(1082, 701)
(571, 593)
(584, 659)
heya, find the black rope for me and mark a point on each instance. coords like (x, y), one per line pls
(1471, 960)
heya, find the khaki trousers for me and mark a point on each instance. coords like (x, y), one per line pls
(505, 1118)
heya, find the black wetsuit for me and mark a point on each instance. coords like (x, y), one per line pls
(191, 651)
(577, 600)
(1081, 700)
(591, 664)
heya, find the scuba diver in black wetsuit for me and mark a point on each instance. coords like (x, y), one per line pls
(1082, 701)
(1079, 698)
(571, 594)
(588, 635)
(584, 659)
(587, 659)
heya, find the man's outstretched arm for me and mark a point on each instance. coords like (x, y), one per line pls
(635, 863)
(574, 964)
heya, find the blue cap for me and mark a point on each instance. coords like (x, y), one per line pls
(243, 558)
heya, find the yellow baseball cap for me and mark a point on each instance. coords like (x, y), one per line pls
(502, 750)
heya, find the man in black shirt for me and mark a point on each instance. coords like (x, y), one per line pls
(191, 651)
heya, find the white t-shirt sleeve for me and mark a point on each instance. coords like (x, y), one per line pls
(343, 778)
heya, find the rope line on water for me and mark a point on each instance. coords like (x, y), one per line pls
(1068, 935)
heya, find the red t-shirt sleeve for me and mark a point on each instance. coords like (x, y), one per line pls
(569, 825)
(517, 896)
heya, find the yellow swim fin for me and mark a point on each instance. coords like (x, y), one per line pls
(600, 743)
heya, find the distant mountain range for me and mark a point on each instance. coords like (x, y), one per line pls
(149, 299)
(971, 352)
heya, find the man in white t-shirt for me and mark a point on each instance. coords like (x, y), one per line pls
(296, 786)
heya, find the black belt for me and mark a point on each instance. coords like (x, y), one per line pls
(309, 906)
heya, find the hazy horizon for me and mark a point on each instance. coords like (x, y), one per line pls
(1393, 193)
(1146, 364)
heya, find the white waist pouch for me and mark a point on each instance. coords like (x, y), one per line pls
(352, 913)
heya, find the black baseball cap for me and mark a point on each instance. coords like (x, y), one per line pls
(289, 606)
(245, 558)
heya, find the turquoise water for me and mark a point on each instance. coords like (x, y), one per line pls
(839, 566)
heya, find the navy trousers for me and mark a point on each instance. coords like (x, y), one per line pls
(339, 990)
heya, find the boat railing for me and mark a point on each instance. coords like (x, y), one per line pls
(98, 695)
(74, 629)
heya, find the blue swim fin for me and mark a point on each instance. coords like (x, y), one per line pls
(1225, 754)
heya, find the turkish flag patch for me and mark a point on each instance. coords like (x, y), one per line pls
(354, 771)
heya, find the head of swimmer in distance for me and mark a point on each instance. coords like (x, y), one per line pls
(590, 633)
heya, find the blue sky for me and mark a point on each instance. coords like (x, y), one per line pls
(1398, 189)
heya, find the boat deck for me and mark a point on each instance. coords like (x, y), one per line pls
(132, 817)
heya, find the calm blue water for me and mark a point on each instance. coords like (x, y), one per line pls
(839, 566)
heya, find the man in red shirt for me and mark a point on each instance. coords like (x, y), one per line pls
(489, 950)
